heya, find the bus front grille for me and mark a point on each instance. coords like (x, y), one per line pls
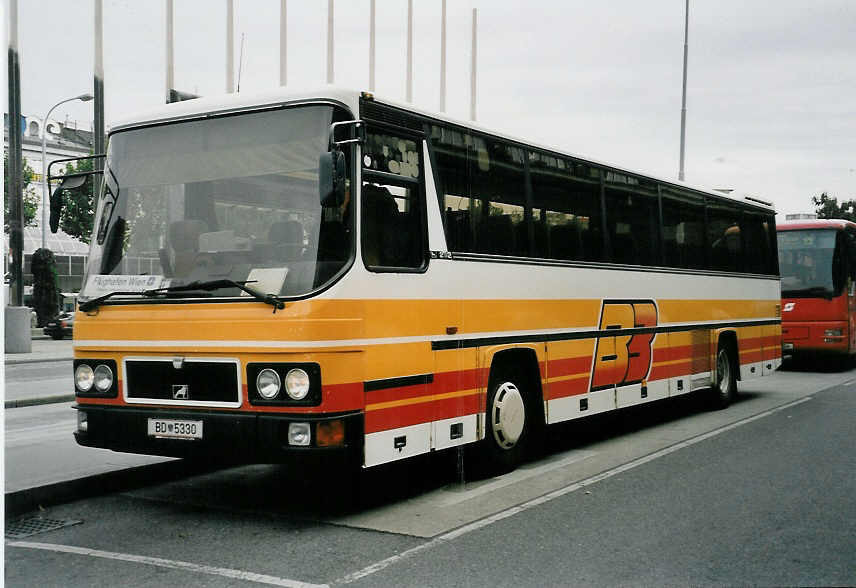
(190, 381)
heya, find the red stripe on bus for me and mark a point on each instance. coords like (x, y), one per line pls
(423, 412)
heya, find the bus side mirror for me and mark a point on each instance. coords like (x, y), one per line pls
(72, 183)
(331, 178)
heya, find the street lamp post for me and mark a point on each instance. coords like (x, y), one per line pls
(82, 98)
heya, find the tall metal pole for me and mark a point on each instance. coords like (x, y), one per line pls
(684, 92)
(473, 66)
(442, 58)
(230, 46)
(16, 208)
(98, 91)
(410, 50)
(283, 42)
(329, 41)
(372, 49)
(170, 51)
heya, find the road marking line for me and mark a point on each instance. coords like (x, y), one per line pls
(168, 563)
(481, 523)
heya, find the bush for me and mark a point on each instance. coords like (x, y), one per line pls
(45, 290)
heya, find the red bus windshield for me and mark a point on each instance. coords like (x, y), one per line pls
(810, 263)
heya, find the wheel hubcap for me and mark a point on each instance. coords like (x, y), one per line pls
(508, 415)
(723, 373)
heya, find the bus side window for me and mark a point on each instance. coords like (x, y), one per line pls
(392, 226)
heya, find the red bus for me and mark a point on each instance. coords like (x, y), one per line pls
(817, 260)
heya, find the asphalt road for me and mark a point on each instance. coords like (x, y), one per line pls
(52, 377)
(762, 493)
(770, 503)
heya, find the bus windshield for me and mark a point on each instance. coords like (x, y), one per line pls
(810, 262)
(230, 198)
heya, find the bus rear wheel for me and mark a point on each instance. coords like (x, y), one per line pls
(725, 389)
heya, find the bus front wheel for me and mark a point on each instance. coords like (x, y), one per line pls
(509, 423)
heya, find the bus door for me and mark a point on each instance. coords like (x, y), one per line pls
(850, 282)
(400, 399)
(459, 378)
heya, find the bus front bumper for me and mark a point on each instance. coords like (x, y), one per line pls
(229, 436)
(815, 338)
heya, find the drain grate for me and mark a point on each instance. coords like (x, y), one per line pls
(27, 526)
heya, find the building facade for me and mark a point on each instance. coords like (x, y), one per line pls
(64, 140)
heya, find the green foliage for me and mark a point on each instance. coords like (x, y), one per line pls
(45, 290)
(31, 197)
(827, 206)
(79, 204)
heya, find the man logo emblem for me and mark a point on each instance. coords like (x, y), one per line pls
(180, 392)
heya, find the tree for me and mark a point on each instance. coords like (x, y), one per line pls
(826, 206)
(79, 204)
(45, 289)
(31, 198)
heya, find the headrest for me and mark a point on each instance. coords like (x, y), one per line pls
(378, 200)
(184, 234)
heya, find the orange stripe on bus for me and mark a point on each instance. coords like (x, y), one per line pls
(418, 400)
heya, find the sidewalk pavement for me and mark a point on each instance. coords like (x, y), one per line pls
(44, 465)
(44, 349)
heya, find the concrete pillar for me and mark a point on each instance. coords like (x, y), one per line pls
(18, 335)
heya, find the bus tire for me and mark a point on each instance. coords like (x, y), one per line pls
(509, 423)
(725, 388)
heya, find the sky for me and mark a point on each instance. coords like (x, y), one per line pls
(771, 88)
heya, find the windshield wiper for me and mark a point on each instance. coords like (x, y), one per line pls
(204, 286)
(90, 304)
(210, 285)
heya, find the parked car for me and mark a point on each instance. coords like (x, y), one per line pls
(60, 326)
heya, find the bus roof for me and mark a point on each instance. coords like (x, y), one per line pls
(818, 223)
(225, 103)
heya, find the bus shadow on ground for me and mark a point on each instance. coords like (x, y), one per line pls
(819, 364)
(322, 493)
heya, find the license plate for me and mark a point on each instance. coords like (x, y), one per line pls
(173, 429)
(788, 346)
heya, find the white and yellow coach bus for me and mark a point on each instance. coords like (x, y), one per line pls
(292, 276)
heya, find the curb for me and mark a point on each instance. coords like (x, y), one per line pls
(30, 499)
(22, 402)
(14, 361)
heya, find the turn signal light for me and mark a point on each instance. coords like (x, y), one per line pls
(330, 434)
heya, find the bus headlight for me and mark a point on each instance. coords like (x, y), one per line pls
(84, 377)
(297, 383)
(833, 332)
(284, 383)
(268, 384)
(103, 377)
